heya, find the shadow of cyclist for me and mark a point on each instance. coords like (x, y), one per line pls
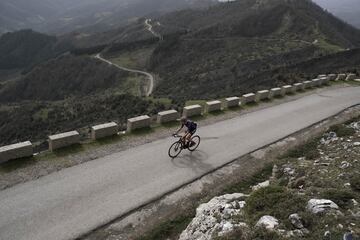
(194, 160)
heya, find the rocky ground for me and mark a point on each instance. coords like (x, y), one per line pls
(313, 193)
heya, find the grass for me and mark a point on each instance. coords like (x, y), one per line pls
(341, 130)
(309, 150)
(244, 186)
(275, 201)
(340, 196)
(12, 165)
(168, 229)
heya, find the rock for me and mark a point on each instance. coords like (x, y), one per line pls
(344, 165)
(348, 236)
(347, 185)
(261, 185)
(269, 222)
(356, 144)
(327, 235)
(321, 205)
(299, 233)
(299, 183)
(215, 217)
(289, 171)
(328, 138)
(296, 221)
(355, 125)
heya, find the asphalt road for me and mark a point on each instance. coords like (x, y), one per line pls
(69, 203)
(150, 88)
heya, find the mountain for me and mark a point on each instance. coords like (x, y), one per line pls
(26, 48)
(213, 53)
(57, 16)
(66, 93)
(348, 10)
(64, 77)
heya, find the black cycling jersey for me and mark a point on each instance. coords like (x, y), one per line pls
(191, 126)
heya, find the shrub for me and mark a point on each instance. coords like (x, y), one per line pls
(355, 182)
(275, 201)
(342, 131)
(308, 150)
(340, 197)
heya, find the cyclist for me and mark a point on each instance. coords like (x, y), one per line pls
(190, 131)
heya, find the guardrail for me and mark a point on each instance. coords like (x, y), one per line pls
(25, 149)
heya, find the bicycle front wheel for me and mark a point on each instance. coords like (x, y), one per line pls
(195, 142)
(175, 149)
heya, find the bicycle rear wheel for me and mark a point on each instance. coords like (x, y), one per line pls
(196, 139)
(175, 149)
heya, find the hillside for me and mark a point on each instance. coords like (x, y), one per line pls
(66, 93)
(225, 45)
(26, 48)
(64, 77)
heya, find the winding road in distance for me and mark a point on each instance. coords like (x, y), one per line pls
(69, 203)
(148, 75)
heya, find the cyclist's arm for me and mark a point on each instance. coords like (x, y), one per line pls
(182, 126)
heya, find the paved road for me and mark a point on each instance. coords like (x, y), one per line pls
(73, 201)
(148, 75)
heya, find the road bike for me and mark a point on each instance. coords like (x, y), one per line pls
(176, 148)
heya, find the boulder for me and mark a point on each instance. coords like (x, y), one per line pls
(296, 221)
(215, 217)
(261, 185)
(269, 222)
(321, 205)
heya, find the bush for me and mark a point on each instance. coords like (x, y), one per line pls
(340, 197)
(355, 182)
(342, 131)
(308, 150)
(275, 201)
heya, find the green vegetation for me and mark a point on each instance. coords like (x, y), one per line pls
(133, 58)
(26, 48)
(308, 150)
(275, 201)
(168, 229)
(342, 131)
(242, 47)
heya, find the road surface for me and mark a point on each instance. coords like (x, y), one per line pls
(69, 203)
(148, 75)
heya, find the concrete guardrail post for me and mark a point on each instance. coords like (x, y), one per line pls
(16, 151)
(63, 140)
(213, 106)
(350, 77)
(248, 98)
(262, 95)
(191, 111)
(138, 122)
(341, 77)
(316, 82)
(232, 102)
(286, 89)
(325, 80)
(332, 77)
(104, 130)
(307, 84)
(298, 87)
(275, 92)
(167, 116)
